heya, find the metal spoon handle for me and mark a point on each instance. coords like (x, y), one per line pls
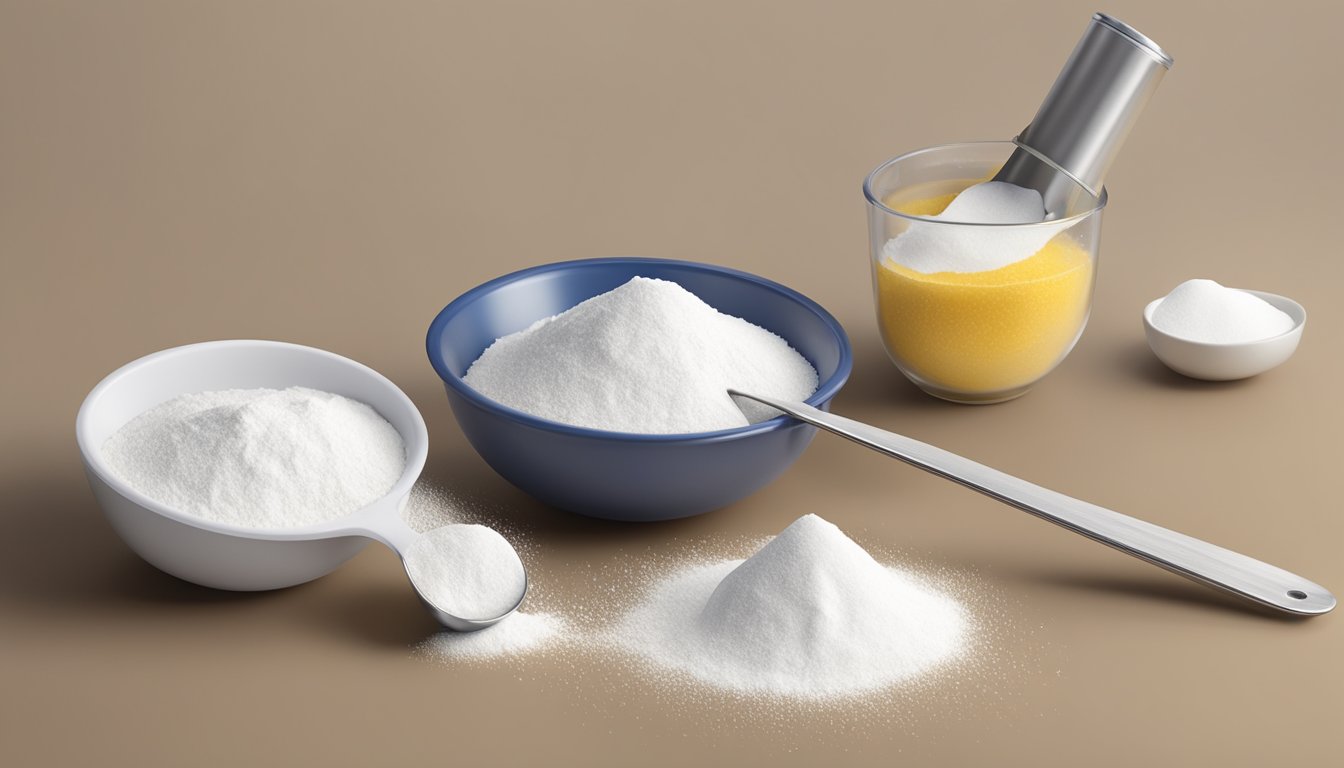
(1185, 555)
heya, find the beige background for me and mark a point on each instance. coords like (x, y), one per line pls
(333, 173)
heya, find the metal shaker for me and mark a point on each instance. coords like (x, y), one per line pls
(1077, 132)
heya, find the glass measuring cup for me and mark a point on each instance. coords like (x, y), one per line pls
(983, 336)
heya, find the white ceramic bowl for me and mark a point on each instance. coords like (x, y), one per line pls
(1226, 362)
(227, 556)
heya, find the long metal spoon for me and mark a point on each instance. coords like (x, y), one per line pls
(1192, 558)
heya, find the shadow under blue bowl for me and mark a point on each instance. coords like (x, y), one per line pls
(617, 475)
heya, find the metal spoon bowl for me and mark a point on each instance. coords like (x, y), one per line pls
(459, 624)
(392, 531)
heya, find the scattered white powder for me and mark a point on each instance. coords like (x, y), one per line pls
(433, 504)
(811, 615)
(1203, 310)
(261, 458)
(589, 630)
(945, 247)
(647, 357)
(519, 634)
(468, 571)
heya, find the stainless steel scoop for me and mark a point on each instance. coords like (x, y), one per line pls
(1073, 140)
(392, 530)
(1190, 557)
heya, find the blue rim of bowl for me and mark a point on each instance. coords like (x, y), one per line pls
(825, 390)
(1102, 199)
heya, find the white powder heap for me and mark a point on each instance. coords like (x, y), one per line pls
(468, 571)
(1204, 311)
(811, 615)
(647, 357)
(519, 634)
(260, 458)
(932, 248)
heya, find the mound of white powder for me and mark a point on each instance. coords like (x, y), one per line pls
(1204, 311)
(945, 247)
(647, 357)
(811, 615)
(468, 571)
(260, 458)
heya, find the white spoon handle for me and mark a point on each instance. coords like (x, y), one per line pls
(1185, 555)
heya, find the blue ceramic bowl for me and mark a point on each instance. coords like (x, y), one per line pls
(617, 475)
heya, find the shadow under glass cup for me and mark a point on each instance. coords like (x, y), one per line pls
(987, 334)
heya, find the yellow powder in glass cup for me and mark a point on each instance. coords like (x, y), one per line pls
(983, 334)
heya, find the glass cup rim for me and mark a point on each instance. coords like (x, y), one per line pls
(872, 199)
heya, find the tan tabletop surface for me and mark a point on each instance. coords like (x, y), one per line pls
(333, 173)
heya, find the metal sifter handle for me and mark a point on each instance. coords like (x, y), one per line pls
(1079, 129)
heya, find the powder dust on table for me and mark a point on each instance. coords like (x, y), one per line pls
(809, 616)
(518, 634)
(648, 357)
(810, 626)
(811, 619)
(259, 458)
(433, 505)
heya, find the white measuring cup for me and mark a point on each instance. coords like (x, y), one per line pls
(232, 557)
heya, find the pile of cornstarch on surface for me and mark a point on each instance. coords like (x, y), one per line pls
(1204, 311)
(260, 458)
(811, 615)
(647, 357)
(468, 571)
(932, 248)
